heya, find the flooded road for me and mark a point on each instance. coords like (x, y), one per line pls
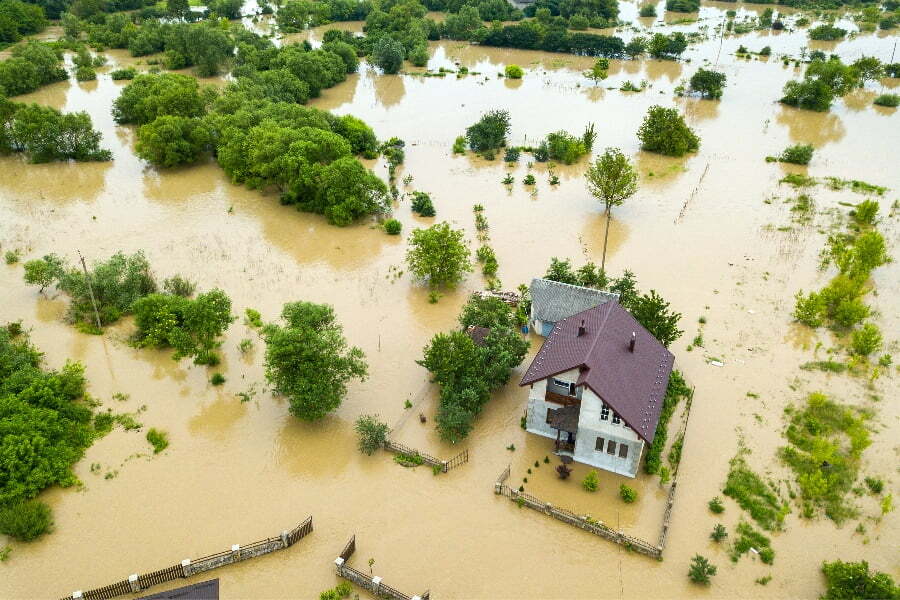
(699, 231)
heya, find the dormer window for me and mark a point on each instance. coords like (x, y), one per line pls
(566, 385)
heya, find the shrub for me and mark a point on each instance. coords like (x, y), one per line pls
(179, 286)
(127, 73)
(438, 255)
(716, 506)
(866, 340)
(422, 204)
(876, 485)
(388, 54)
(85, 73)
(12, 257)
(865, 212)
(418, 56)
(26, 521)
(753, 495)
(827, 32)
(170, 141)
(648, 10)
(393, 226)
(708, 83)
(373, 433)
(513, 72)
(665, 132)
(489, 133)
(701, 570)
(718, 533)
(890, 100)
(628, 494)
(800, 154)
(149, 96)
(459, 145)
(217, 379)
(854, 580)
(591, 482)
(158, 439)
(565, 147)
(529, 179)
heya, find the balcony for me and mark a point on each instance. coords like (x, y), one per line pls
(562, 399)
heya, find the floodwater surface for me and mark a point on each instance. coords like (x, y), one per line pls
(710, 231)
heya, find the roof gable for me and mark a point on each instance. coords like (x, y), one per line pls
(632, 383)
(553, 301)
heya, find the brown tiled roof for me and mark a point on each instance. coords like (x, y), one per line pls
(631, 383)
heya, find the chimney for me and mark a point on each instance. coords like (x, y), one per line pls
(631, 343)
(581, 329)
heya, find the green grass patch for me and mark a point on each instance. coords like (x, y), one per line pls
(798, 180)
(158, 439)
(854, 185)
(676, 390)
(747, 538)
(753, 495)
(831, 366)
(827, 440)
(409, 460)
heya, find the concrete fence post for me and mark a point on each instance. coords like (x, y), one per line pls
(284, 539)
(416, 598)
(376, 584)
(548, 508)
(77, 595)
(444, 467)
(134, 583)
(339, 564)
(186, 570)
(498, 488)
(235, 552)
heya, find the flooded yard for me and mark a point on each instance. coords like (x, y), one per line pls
(711, 232)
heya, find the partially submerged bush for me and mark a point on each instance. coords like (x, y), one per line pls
(701, 570)
(665, 132)
(158, 439)
(489, 133)
(591, 482)
(513, 72)
(889, 100)
(854, 580)
(26, 521)
(372, 432)
(799, 154)
(628, 494)
(393, 227)
(422, 204)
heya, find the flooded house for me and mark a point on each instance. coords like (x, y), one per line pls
(597, 388)
(553, 301)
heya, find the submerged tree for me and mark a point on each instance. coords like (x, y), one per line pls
(665, 132)
(611, 180)
(308, 360)
(489, 133)
(438, 255)
(708, 83)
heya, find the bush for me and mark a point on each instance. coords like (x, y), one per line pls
(158, 439)
(628, 494)
(854, 580)
(565, 147)
(393, 227)
(827, 32)
(422, 205)
(513, 72)
(44, 134)
(701, 570)
(800, 154)
(890, 100)
(459, 145)
(418, 56)
(648, 10)
(718, 533)
(217, 379)
(372, 432)
(179, 286)
(85, 74)
(684, 6)
(591, 482)
(170, 141)
(127, 73)
(149, 96)
(665, 132)
(438, 255)
(716, 506)
(26, 521)
(866, 340)
(489, 133)
(708, 83)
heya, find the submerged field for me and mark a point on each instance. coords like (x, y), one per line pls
(713, 232)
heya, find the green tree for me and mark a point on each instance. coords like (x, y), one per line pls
(599, 71)
(866, 340)
(708, 83)
(489, 133)
(307, 359)
(373, 433)
(349, 191)
(701, 570)
(653, 312)
(611, 180)
(169, 141)
(388, 55)
(439, 255)
(854, 581)
(44, 134)
(26, 521)
(665, 132)
(177, 8)
(149, 96)
(44, 271)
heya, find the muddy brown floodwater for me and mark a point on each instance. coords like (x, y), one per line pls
(235, 472)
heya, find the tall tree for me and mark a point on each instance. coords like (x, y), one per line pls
(438, 254)
(611, 180)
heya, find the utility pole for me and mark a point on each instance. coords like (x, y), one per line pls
(87, 279)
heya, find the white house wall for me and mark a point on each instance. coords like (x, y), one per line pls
(591, 426)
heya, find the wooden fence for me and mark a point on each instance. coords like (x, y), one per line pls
(373, 583)
(444, 465)
(136, 583)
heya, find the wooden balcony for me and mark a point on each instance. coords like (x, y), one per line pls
(561, 399)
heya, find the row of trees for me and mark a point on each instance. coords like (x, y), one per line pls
(825, 80)
(467, 372)
(44, 134)
(31, 65)
(18, 19)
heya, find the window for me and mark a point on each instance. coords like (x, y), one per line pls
(548, 415)
(617, 420)
(566, 385)
(599, 446)
(604, 413)
(623, 450)
(611, 447)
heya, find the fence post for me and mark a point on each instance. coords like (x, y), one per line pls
(376, 584)
(235, 553)
(284, 539)
(77, 595)
(444, 467)
(186, 570)
(339, 563)
(134, 583)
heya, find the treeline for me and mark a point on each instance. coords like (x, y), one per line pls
(258, 131)
(826, 80)
(467, 372)
(31, 65)
(18, 19)
(45, 427)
